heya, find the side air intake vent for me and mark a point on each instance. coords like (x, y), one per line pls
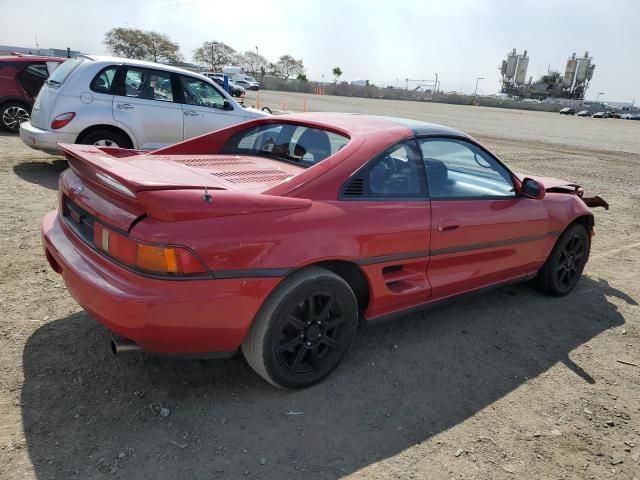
(355, 188)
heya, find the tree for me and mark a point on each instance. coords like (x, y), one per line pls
(141, 45)
(336, 73)
(160, 48)
(302, 77)
(288, 66)
(126, 42)
(272, 69)
(214, 54)
(253, 62)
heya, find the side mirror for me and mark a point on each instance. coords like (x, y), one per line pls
(531, 188)
(227, 105)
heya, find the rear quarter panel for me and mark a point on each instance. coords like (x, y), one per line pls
(295, 238)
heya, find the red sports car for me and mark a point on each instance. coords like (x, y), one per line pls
(278, 235)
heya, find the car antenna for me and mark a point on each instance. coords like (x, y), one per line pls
(206, 197)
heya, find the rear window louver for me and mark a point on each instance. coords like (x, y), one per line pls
(355, 188)
(253, 176)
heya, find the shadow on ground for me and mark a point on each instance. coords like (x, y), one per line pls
(41, 173)
(404, 382)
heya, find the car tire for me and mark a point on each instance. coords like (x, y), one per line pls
(105, 138)
(303, 330)
(12, 114)
(563, 269)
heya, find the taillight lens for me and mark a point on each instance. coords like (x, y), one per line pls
(157, 259)
(61, 120)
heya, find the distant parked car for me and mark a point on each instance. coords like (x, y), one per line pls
(583, 113)
(247, 82)
(119, 102)
(21, 77)
(601, 115)
(613, 114)
(567, 111)
(234, 89)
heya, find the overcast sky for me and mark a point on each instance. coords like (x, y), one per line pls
(370, 39)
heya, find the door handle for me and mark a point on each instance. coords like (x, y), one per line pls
(448, 226)
(125, 106)
(191, 113)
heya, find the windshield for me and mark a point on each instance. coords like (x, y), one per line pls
(61, 73)
(298, 144)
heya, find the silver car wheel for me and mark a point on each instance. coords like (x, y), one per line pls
(14, 116)
(106, 143)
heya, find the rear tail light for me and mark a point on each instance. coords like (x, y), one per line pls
(157, 259)
(61, 120)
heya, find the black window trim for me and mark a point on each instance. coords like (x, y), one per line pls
(469, 141)
(361, 172)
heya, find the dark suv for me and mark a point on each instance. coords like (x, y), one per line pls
(21, 77)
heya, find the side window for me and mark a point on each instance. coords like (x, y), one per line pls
(33, 77)
(397, 173)
(458, 169)
(203, 94)
(103, 81)
(148, 84)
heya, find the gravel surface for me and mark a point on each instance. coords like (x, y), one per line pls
(508, 384)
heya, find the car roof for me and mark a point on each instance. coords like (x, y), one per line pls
(139, 63)
(355, 123)
(30, 58)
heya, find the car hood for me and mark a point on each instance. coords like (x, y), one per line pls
(254, 112)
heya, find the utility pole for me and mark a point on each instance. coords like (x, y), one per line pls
(475, 94)
(436, 85)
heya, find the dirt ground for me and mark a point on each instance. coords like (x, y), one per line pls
(507, 385)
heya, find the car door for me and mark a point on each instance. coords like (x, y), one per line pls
(482, 231)
(144, 102)
(205, 108)
(387, 210)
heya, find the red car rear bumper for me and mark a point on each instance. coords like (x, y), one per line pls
(164, 316)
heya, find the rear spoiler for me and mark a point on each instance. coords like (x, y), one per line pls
(111, 167)
(163, 199)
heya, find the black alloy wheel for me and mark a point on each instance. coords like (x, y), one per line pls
(563, 269)
(570, 262)
(310, 334)
(303, 330)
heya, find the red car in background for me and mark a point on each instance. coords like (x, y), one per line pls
(276, 236)
(21, 77)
